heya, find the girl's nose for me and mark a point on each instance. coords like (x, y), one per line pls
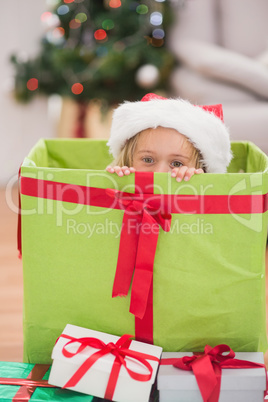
(163, 167)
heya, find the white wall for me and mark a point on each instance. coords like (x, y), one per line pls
(20, 125)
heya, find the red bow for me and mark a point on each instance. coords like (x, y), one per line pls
(120, 350)
(207, 368)
(138, 241)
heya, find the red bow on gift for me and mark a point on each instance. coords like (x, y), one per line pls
(138, 241)
(207, 368)
(120, 350)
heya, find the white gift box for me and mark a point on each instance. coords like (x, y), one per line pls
(95, 380)
(237, 385)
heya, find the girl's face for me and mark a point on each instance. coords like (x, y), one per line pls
(161, 150)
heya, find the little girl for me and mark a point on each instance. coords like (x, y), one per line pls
(168, 135)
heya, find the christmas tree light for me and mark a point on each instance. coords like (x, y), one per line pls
(96, 49)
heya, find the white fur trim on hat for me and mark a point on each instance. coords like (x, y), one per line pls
(204, 129)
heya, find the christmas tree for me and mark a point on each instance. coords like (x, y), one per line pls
(99, 49)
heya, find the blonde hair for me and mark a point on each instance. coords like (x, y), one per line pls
(125, 157)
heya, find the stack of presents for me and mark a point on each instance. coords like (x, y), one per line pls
(140, 288)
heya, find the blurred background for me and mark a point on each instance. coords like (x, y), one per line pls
(66, 64)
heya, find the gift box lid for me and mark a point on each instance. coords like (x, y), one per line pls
(172, 378)
(105, 363)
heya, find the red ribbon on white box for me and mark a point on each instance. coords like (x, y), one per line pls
(120, 350)
(207, 368)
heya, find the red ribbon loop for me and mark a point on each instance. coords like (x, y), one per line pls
(207, 368)
(137, 248)
(119, 350)
(215, 355)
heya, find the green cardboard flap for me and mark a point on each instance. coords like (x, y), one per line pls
(71, 154)
(83, 162)
(248, 158)
(94, 154)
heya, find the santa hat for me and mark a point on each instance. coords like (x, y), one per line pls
(202, 125)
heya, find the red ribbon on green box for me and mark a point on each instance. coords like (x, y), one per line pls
(137, 247)
(29, 384)
(207, 368)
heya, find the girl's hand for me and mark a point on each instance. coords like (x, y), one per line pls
(183, 172)
(120, 171)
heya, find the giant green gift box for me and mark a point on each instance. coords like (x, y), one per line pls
(209, 270)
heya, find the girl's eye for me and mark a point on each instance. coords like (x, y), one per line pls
(176, 164)
(147, 160)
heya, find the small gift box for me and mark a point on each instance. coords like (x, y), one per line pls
(28, 382)
(212, 376)
(104, 365)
